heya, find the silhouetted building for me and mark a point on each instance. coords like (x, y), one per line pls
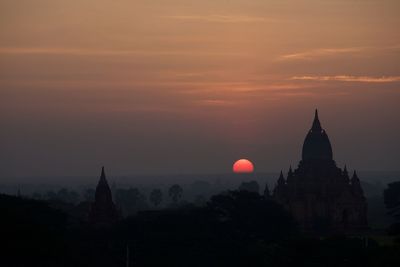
(320, 195)
(103, 211)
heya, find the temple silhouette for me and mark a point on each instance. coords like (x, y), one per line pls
(320, 195)
(103, 211)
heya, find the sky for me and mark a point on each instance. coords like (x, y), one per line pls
(182, 86)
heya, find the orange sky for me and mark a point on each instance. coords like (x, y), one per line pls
(190, 86)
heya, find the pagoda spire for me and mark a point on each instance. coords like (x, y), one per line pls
(316, 145)
(281, 180)
(316, 124)
(103, 174)
(103, 211)
(356, 185)
(290, 174)
(280, 188)
(346, 174)
(355, 177)
(103, 192)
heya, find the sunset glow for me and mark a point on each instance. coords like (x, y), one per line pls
(243, 166)
(191, 78)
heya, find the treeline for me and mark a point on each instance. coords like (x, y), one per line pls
(236, 228)
(128, 200)
(131, 200)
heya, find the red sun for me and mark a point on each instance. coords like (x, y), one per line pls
(243, 166)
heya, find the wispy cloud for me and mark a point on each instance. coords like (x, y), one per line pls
(63, 51)
(349, 78)
(101, 52)
(326, 52)
(320, 52)
(215, 103)
(218, 18)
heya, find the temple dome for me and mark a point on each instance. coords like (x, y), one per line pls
(317, 145)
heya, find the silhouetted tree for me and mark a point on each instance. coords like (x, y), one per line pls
(175, 192)
(156, 197)
(251, 215)
(240, 222)
(234, 229)
(251, 186)
(32, 229)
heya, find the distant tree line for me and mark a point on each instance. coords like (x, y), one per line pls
(235, 228)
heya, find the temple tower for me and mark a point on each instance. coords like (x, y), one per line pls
(318, 193)
(103, 211)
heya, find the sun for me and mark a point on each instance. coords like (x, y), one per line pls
(243, 166)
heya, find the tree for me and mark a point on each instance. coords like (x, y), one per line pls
(156, 197)
(250, 215)
(175, 192)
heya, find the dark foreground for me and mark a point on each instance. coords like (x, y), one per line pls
(236, 229)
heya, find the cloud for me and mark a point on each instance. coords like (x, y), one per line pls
(215, 103)
(320, 53)
(218, 18)
(349, 78)
(326, 52)
(61, 51)
(101, 52)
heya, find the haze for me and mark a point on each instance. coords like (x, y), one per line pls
(169, 87)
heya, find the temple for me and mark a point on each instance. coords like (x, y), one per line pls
(320, 195)
(103, 211)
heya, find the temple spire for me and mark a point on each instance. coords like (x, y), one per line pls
(316, 144)
(103, 211)
(346, 174)
(356, 186)
(355, 178)
(281, 180)
(316, 124)
(290, 174)
(103, 174)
